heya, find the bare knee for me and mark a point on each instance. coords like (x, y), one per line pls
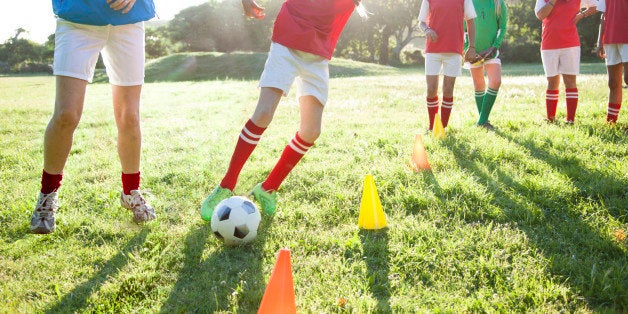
(128, 120)
(310, 135)
(66, 119)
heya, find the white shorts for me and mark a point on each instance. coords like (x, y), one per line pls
(468, 65)
(284, 65)
(561, 61)
(77, 47)
(451, 64)
(616, 53)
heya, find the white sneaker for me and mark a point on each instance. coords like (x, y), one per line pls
(43, 219)
(135, 202)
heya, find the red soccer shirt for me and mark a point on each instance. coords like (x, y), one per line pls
(312, 26)
(445, 17)
(559, 30)
(615, 21)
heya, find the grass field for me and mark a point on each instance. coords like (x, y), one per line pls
(529, 218)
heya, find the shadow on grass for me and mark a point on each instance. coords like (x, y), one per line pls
(592, 265)
(230, 279)
(76, 299)
(375, 250)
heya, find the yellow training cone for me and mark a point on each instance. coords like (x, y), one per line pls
(371, 213)
(439, 130)
(419, 155)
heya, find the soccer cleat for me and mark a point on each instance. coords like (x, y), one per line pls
(567, 122)
(267, 200)
(43, 219)
(217, 195)
(487, 125)
(136, 203)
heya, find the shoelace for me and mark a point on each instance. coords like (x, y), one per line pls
(47, 205)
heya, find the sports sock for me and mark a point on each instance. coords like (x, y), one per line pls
(130, 182)
(432, 109)
(445, 110)
(613, 112)
(551, 102)
(291, 155)
(487, 105)
(50, 182)
(479, 98)
(249, 137)
(571, 97)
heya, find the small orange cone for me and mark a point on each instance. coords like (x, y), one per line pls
(372, 215)
(279, 294)
(419, 155)
(439, 130)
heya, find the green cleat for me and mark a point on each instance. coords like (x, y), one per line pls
(217, 195)
(268, 200)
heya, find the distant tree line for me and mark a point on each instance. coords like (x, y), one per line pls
(385, 37)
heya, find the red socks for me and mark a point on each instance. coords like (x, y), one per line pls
(130, 182)
(571, 97)
(445, 110)
(551, 102)
(432, 109)
(291, 155)
(249, 137)
(50, 182)
(613, 112)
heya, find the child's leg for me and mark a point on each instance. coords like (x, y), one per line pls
(614, 88)
(309, 130)
(432, 98)
(571, 96)
(251, 133)
(479, 84)
(448, 98)
(494, 73)
(551, 96)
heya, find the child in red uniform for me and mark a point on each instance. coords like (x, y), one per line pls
(304, 38)
(442, 23)
(612, 45)
(560, 50)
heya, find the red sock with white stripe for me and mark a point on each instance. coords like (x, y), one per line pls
(551, 102)
(571, 97)
(432, 109)
(291, 155)
(613, 112)
(249, 137)
(445, 110)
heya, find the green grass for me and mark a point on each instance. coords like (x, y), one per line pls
(522, 219)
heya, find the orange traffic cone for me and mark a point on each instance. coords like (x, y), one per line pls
(419, 155)
(372, 215)
(439, 130)
(279, 294)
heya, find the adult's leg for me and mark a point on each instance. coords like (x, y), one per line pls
(571, 97)
(614, 91)
(432, 98)
(70, 95)
(551, 96)
(126, 110)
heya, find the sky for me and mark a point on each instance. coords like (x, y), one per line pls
(37, 18)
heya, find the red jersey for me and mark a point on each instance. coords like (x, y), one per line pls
(312, 25)
(445, 17)
(559, 30)
(615, 17)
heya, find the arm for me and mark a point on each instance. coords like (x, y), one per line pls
(503, 25)
(582, 14)
(470, 55)
(600, 46)
(545, 10)
(252, 9)
(430, 34)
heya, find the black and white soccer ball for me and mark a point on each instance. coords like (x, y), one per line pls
(235, 220)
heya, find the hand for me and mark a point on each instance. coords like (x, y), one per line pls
(484, 54)
(124, 5)
(601, 52)
(253, 10)
(577, 18)
(471, 56)
(431, 35)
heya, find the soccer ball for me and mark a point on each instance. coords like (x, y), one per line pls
(235, 220)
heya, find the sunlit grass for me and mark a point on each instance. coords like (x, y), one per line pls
(526, 218)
